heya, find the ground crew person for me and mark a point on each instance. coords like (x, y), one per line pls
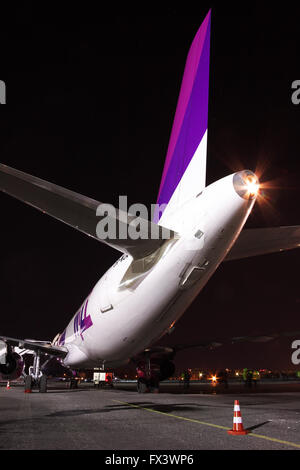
(249, 378)
(255, 377)
(245, 376)
(186, 380)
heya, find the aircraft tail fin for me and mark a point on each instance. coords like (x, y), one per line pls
(184, 174)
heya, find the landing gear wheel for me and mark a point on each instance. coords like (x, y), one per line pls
(43, 384)
(28, 384)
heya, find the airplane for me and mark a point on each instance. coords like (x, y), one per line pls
(194, 229)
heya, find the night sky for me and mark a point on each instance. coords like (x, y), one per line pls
(91, 98)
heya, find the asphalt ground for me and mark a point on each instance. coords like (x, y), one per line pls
(121, 419)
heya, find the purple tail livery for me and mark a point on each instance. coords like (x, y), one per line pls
(184, 172)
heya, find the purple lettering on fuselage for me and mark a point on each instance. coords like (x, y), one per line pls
(62, 339)
(81, 321)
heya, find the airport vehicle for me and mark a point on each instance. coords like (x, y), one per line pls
(102, 379)
(195, 228)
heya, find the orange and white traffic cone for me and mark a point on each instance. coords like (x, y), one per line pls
(238, 429)
(7, 386)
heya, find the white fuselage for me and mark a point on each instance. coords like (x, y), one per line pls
(136, 302)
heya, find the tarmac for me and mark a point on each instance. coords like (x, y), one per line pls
(121, 419)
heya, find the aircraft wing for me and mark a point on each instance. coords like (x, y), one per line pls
(260, 241)
(80, 212)
(169, 352)
(33, 345)
(218, 342)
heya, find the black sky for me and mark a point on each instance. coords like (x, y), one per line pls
(91, 99)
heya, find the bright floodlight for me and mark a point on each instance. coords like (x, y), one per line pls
(252, 185)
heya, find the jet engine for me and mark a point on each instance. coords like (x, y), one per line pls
(11, 366)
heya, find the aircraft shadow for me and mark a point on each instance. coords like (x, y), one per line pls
(108, 408)
(164, 408)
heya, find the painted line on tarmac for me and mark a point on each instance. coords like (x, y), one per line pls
(273, 439)
(260, 436)
(173, 416)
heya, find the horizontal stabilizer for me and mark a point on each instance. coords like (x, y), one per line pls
(80, 212)
(261, 241)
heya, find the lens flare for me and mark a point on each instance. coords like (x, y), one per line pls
(252, 185)
(272, 182)
(269, 191)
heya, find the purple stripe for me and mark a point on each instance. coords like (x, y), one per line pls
(62, 339)
(81, 321)
(194, 115)
(87, 319)
(185, 91)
